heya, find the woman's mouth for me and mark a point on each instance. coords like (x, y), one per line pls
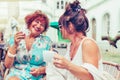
(36, 29)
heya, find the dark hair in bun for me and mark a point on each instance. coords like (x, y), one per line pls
(75, 14)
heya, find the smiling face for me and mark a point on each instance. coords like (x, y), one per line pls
(37, 27)
(37, 23)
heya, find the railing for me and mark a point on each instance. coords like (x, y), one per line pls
(112, 68)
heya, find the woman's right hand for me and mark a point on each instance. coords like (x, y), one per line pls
(12, 49)
(18, 37)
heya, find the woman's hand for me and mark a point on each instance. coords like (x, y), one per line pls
(11, 53)
(60, 62)
(17, 38)
(35, 72)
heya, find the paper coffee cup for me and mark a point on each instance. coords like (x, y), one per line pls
(48, 56)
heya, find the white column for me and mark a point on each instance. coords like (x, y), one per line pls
(13, 14)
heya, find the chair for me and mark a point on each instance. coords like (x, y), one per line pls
(2, 56)
(112, 68)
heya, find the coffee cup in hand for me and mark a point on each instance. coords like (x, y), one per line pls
(48, 55)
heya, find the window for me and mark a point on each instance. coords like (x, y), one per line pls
(106, 25)
(94, 28)
(62, 4)
(62, 7)
(57, 5)
(44, 1)
(66, 3)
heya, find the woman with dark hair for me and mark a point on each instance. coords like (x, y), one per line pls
(25, 53)
(82, 60)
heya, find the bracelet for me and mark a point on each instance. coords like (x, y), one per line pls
(11, 55)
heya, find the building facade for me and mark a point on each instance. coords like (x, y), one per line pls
(104, 18)
(103, 15)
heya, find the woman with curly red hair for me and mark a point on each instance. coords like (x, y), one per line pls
(25, 53)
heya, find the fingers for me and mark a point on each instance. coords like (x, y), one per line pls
(58, 57)
(58, 65)
(57, 61)
(33, 69)
(34, 72)
(60, 62)
(18, 37)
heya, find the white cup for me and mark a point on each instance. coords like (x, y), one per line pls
(48, 56)
(25, 31)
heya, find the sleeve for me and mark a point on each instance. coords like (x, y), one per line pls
(11, 41)
(98, 75)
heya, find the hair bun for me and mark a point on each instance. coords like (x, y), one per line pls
(75, 6)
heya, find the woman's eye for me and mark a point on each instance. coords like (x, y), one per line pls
(37, 21)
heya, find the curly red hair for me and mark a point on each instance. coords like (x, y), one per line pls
(39, 16)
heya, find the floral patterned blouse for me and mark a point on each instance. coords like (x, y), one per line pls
(25, 60)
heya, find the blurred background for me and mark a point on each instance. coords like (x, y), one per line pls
(103, 15)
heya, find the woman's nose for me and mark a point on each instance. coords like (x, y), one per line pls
(38, 25)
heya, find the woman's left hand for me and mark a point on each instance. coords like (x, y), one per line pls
(35, 72)
(60, 62)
